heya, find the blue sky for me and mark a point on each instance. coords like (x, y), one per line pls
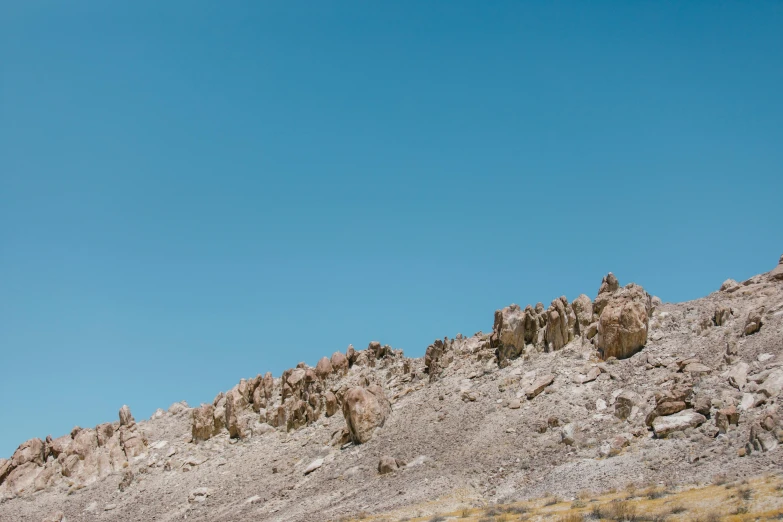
(195, 192)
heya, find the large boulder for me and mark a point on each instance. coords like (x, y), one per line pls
(339, 362)
(558, 333)
(132, 442)
(665, 425)
(538, 385)
(623, 322)
(324, 368)
(508, 332)
(773, 384)
(29, 451)
(84, 444)
(365, 409)
(202, 423)
(583, 309)
(331, 403)
(104, 433)
(235, 428)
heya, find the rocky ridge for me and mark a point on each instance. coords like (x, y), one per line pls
(553, 399)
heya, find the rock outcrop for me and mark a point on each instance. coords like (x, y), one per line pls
(623, 321)
(365, 409)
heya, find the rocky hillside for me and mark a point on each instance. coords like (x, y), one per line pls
(582, 395)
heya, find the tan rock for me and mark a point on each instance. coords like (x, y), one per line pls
(339, 363)
(508, 332)
(665, 425)
(365, 409)
(388, 464)
(624, 404)
(557, 331)
(623, 323)
(126, 419)
(22, 478)
(84, 444)
(773, 384)
(29, 451)
(324, 368)
(104, 432)
(6, 467)
(235, 430)
(583, 309)
(670, 407)
(331, 403)
(721, 316)
(754, 321)
(738, 375)
(131, 442)
(59, 445)
(539, 385)
(726, 417)
(202, 423)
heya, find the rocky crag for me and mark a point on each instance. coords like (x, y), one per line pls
(592, 393)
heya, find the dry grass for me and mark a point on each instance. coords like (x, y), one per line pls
(757, 499)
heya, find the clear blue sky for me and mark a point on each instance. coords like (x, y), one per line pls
(195, 192)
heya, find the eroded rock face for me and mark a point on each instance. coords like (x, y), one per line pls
(202, 424)
(29, 451)
(754, 320)
(721, 316)
(365, 409)
(126, 419)
(583, 309)
(624, 321)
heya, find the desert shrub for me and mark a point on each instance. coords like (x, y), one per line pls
(622, 512)
(576, 504)
(653, 493)
(572, 517)
(596, 512)
(741, 510)
(720, 479)
(551, 501)
(745, 493)
(516, 510)
(676, 510)
(438, 518)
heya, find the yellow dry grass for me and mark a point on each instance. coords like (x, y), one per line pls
(760, 498)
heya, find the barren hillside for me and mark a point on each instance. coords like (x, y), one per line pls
(587, 395)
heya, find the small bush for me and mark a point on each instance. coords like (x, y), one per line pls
(745, 493)
(596, 512)
(676, 510)
(438, 519)
(576, 504)
(551, 501)
(573, 517)
(654, 493)
(741, 510)
(622, 512)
